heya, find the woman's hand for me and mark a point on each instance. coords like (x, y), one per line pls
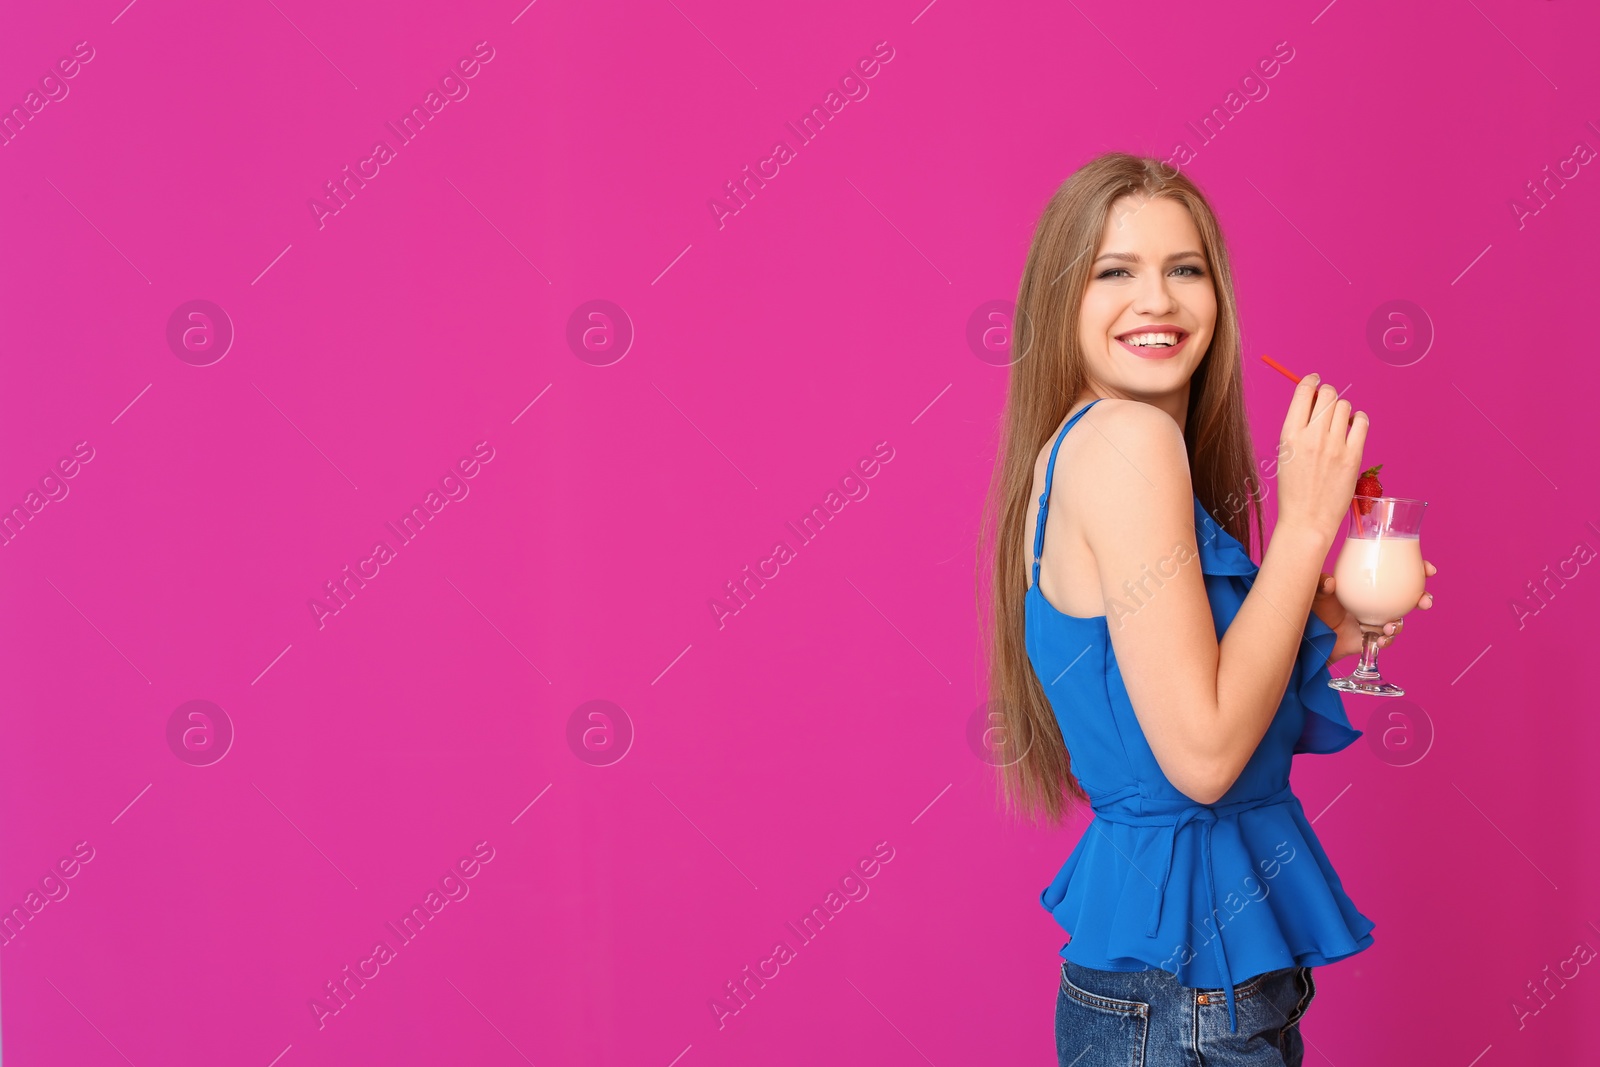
(1347, 639)
(1319, 453)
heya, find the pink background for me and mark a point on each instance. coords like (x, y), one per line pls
(764, 758)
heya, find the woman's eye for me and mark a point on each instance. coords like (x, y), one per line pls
(1196, 272)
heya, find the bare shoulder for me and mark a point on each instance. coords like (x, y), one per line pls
(1129, 486)
(1132, 444)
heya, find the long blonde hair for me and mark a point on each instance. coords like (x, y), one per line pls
(1035, 772)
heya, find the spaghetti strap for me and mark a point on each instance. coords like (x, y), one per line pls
(1049, 475)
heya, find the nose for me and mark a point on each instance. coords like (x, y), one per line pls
(1154, 295)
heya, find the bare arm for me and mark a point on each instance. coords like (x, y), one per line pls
(1204, 705)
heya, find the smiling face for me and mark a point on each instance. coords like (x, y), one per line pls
(1149, 308)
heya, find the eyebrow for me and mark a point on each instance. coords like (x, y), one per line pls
(1132, 257)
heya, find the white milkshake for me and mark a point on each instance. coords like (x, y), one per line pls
(1379, 579)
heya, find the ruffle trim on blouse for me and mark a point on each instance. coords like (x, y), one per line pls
(1327, 727)
(1274, 900)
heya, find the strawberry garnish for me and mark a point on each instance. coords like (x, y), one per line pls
(1368, 485)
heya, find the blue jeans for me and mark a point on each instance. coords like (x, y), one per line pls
(1146, 1019)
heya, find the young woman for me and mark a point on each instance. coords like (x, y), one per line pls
(1142, 662)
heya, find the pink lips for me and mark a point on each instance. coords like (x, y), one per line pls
(1155, 353)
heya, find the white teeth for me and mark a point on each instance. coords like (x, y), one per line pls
(1146, 340)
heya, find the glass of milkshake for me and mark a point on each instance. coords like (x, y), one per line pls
(1378, 579)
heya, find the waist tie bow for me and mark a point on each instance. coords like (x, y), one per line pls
(1206, 815)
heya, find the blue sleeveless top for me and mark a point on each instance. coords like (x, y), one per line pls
(1211, 893)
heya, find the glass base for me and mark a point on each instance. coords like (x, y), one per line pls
(1379, 688)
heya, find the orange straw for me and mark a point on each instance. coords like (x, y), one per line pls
(1293, 377)
(1281, 369)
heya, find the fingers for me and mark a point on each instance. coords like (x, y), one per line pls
(1359, 424)
(1429, 569)
(1340, 422)
(1326, 395)
(1300, 404)
(1325, 585)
